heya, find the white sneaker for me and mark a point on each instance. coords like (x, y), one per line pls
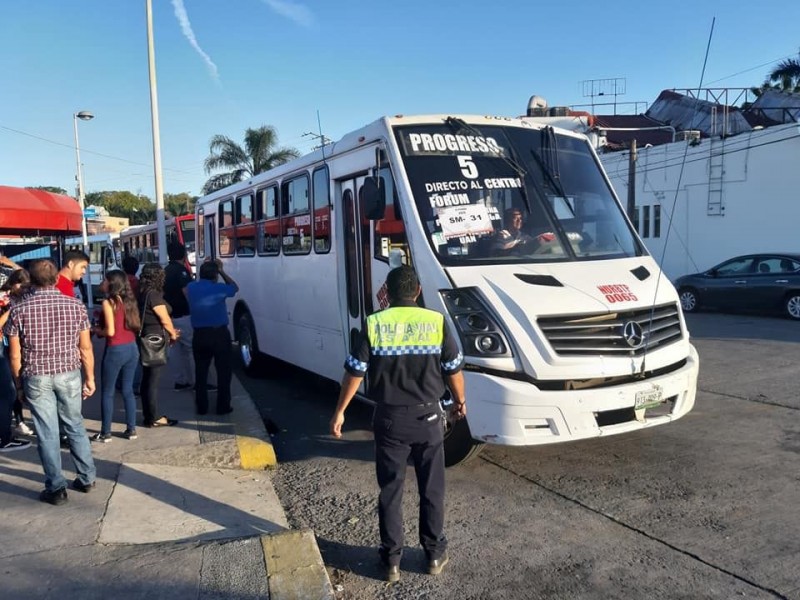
(23, 429)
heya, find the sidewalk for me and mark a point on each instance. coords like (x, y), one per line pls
(181, 512)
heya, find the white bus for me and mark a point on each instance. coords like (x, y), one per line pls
(141, 241)
(571, 336)
(103, 257)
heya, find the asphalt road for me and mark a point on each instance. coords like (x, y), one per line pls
(706, 507)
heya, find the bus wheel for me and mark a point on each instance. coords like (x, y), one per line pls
(459, 447)
(248, 346)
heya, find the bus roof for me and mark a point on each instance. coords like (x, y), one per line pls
(27, 212)
(95, 237)
(366, 135)
(152, 226)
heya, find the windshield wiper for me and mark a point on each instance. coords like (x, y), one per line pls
(548, 143)
(459, 124)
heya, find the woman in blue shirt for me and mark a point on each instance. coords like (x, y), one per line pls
(212, 340)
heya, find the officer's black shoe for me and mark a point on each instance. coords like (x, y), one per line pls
(391, 573)
(435, 565)
(83, 487)
(56, 497)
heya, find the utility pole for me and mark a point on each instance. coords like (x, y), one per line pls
(161, 226)
(632, 181)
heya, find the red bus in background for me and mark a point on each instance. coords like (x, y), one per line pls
(141, 241)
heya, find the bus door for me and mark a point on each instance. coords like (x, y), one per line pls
(109, 258)
(210, 236)
(96, 270)
(368, 248)
(357, 259)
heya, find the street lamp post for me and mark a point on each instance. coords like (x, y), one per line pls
(83, 115)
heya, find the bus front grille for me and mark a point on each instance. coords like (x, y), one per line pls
(622, 333)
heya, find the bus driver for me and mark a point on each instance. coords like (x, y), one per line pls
(512, 240)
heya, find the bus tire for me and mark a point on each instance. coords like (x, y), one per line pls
(248, 345)
(459, 447)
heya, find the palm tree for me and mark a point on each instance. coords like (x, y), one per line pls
(258, 155)
(786, 75)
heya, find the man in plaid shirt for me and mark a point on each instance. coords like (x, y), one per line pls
(49, 341)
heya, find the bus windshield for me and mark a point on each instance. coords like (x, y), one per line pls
(502, 194)
(187, 231)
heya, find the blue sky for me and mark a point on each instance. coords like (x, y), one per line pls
(223, 66)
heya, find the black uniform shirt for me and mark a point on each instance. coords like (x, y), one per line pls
(405, 350)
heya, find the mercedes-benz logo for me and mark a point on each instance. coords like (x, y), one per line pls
(632, 334)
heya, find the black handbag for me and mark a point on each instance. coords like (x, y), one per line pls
(153, 347)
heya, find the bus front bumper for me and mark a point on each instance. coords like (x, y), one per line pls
(516, 413)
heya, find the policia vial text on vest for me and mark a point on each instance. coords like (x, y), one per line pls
(409, 355)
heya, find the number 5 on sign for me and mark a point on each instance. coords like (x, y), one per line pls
(468, 168)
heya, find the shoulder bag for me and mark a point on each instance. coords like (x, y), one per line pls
(153, 347)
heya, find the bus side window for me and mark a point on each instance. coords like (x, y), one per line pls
(245, 231)
(152, 250)
(227, 239)
(322, 211)
(201, 235)
(389, 233)
(296, 223)
(269, 225)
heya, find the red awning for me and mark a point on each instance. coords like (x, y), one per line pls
(27, 212)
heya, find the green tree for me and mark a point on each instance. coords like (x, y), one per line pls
(259, 154)
(138, 208)
(786, 75)
(179, 204)
(48, 188)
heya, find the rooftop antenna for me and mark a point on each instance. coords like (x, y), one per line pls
(323, 139)
(318, 136)
(615, 86)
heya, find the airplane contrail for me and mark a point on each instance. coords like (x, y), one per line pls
(186, 27)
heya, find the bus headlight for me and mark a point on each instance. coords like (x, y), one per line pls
(479, 331)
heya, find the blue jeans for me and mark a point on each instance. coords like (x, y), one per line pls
(137, 379)
(52, 398)
(119, 361)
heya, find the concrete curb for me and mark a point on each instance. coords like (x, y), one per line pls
(295, 570)
(253, 441)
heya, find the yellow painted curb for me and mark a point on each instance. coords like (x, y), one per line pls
(255, 454)
(294, 566)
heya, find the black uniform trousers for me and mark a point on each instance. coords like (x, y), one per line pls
(212, 343)
(401, 432)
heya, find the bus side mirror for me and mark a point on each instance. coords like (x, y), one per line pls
(374, 197)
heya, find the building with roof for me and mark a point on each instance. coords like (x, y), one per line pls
(728, 184)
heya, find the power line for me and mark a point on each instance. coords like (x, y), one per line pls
(70, 146)
(732, 146)
(761, 66)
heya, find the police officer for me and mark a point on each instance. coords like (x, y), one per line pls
(409, 355)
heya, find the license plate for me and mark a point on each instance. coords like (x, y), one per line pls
(649, 398)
